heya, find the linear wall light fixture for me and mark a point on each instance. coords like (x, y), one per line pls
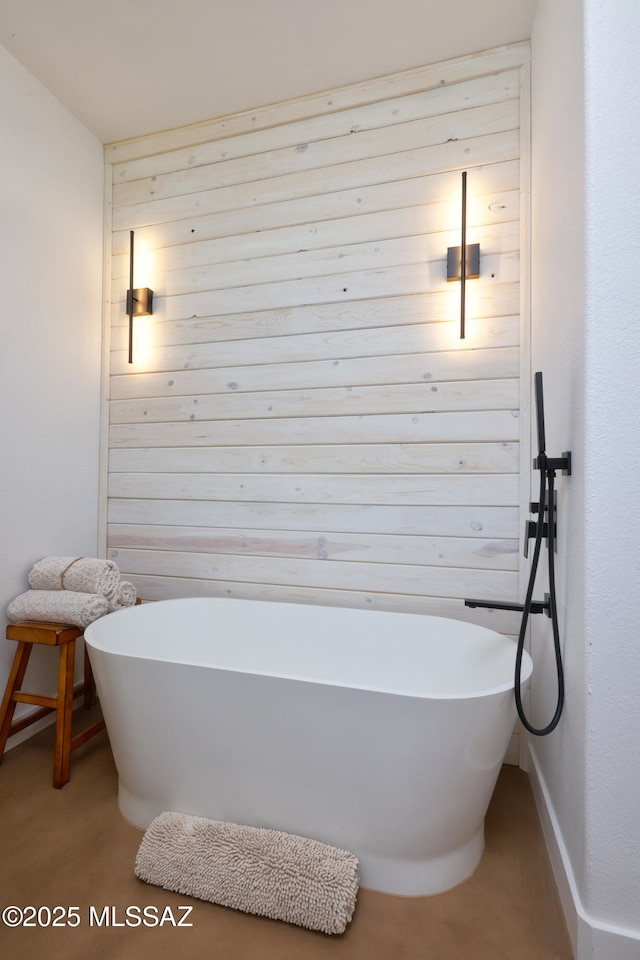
(463, 262)
(139, 301)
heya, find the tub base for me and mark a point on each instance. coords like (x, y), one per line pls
(422, 878)
(395, 875)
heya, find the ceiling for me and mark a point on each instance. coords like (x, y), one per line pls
(130, 67)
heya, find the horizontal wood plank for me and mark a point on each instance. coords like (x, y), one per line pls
(456, 366)
(471, 395)
(397, 578)
(161, 588)
(192, 320)
(376, 342)
(491, 490)
(373, 458)
(458, 520)
(449, 552)
(419, 427)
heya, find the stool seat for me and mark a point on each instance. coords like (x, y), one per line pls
(64, 637)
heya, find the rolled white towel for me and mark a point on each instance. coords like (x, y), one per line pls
(54, 606)
(125, 596)
(79, 574)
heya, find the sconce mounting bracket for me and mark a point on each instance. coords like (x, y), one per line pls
(142, 302)
(454, 255)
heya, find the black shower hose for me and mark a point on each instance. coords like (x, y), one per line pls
(547, 478)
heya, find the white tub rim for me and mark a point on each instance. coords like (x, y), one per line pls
(109, 622)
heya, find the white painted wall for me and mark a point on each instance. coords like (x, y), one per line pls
(586, 341)
(612, 532)
(558, 351)
(51, 185)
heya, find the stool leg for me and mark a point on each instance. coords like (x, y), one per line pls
(62, 751)
(89, 682)
(14, 683)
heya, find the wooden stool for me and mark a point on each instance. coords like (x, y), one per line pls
(64, 637)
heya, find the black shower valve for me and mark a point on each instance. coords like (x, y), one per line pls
(531, 532)
(531, 526)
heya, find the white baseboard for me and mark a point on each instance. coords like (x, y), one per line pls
(17, 738)
(30, 731)
(590, 940)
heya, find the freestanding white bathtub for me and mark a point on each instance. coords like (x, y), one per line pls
(382, 733)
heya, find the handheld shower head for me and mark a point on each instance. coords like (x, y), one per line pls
(542, 443)
(542, 461)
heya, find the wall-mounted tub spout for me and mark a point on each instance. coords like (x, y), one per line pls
(537, 606)
(537, 530)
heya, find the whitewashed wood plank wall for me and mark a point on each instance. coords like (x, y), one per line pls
(301, 421)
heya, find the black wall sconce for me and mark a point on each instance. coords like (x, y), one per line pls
(463, 262)
(139, 301)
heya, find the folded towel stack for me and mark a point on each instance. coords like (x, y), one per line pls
(74, 590)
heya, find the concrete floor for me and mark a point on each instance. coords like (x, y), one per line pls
(72, 848)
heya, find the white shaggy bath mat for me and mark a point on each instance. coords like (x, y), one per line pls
(265, 872)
